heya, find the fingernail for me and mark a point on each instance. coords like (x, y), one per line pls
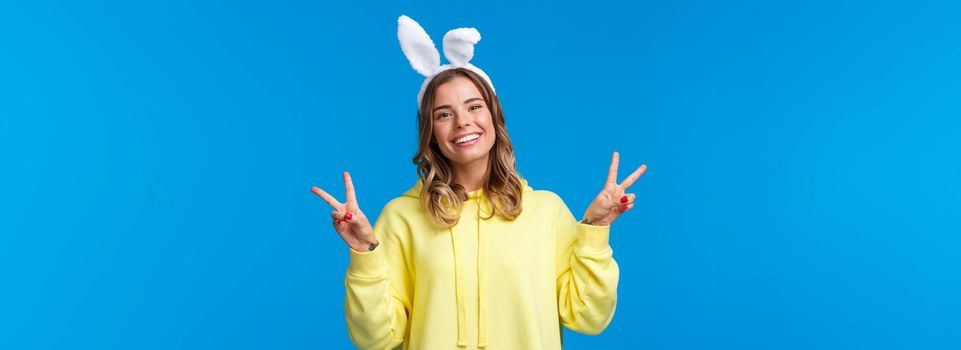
(348, 216)
(624, 208)
(339, 221)
(624, 199)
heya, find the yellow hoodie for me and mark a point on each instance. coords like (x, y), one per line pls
(494, 284)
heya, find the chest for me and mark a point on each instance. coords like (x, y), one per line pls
(502, 250)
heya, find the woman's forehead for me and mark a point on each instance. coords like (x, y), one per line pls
(458, 87)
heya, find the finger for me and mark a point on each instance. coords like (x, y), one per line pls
(627, 207)
(338, 217)
(327, 197)
(633, 177)
(627, 199)
(351, 197)
(612, 172)
(613, 205)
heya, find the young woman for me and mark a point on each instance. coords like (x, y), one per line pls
(471, 256)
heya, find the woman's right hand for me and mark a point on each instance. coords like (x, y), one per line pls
(348, 220)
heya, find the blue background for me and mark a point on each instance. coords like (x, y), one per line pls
(802, 190)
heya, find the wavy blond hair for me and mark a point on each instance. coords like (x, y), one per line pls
(443, 198)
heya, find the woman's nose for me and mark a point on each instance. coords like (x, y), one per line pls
(463, 120)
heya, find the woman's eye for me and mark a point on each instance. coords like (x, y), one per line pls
(472, 107)
(442, 115)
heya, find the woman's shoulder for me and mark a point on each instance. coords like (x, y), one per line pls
(402, 206)
(398, 218)
(408, 201)
(543, 202)
(542, 196)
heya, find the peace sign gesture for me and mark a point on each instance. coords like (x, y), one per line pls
(612, 201)
(349, 221)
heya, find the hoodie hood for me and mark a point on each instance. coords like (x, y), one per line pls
(483, 208)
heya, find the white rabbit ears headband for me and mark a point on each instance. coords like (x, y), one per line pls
(423, 56)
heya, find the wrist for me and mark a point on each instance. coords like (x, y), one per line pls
(593, 222)
(365, 246)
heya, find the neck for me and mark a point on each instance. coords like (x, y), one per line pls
(472, 175)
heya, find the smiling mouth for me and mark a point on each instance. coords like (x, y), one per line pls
(467, 139)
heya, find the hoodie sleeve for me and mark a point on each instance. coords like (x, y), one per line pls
(587, 274)
(377, 284)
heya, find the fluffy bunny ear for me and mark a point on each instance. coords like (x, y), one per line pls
(459, 45)
(417, 46)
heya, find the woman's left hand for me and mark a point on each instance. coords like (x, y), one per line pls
(613, 199)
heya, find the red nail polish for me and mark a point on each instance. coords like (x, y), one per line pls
(624, 199)
(624, 208)
(338, 222)
(348, 216)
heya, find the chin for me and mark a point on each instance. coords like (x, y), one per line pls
(461, 157)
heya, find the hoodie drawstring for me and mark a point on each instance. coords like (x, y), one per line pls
(481, 260)
(459, 285)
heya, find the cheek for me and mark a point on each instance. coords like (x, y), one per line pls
(488, 125)
(438, 133)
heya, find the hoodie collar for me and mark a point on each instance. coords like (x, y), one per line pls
(414, 190)
(481, 201)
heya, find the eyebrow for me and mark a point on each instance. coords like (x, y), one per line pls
(465, 102)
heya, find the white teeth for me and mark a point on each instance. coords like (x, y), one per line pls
(466, 138)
